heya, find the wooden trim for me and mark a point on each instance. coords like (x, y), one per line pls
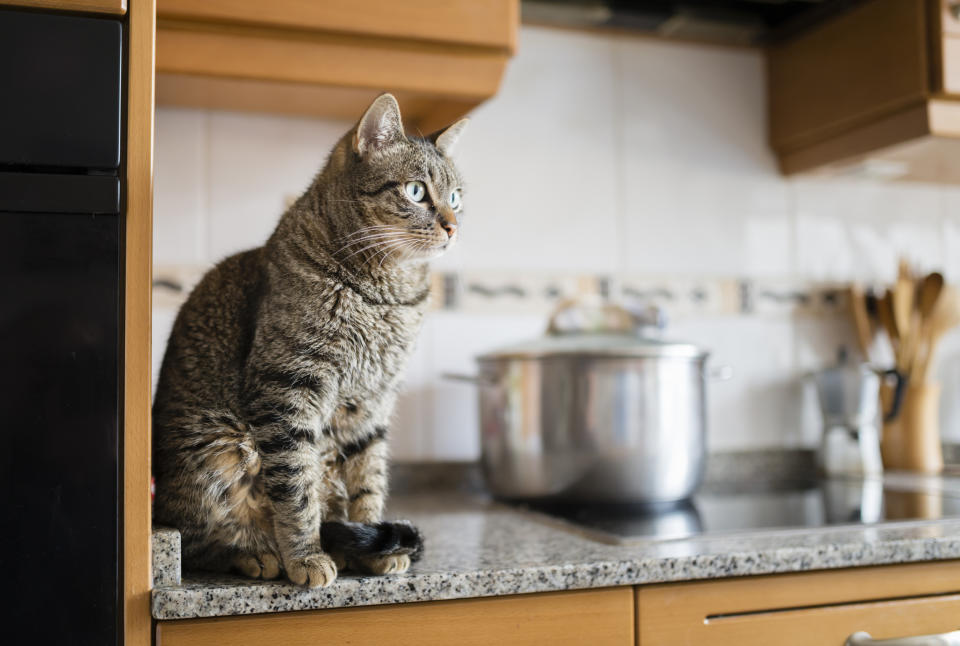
(303, 57)
(869, 138)
(421, 112)
(487, 23)
(807, 608)
(114, 7)
(596, 617)
(138, 246)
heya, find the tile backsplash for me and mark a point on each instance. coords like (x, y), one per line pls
(630, 165)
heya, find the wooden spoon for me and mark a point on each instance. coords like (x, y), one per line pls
(927, 298)
(945, 316)
(904, 294)
(885, 316)
(861, 320)
(930, 289)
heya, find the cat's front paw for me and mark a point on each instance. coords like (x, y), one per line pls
(263, 566)
(392, 564)
(315, 570)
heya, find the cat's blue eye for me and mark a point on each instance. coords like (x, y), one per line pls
(455, 199)
(416, 191)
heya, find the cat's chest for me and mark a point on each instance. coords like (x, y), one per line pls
(375, 344)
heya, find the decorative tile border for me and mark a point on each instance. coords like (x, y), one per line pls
(538, 293)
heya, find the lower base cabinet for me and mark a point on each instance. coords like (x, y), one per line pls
(822, 608)
(596, 617)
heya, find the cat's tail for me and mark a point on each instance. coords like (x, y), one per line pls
(375, 539)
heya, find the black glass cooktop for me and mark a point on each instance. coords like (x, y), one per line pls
(739, 509)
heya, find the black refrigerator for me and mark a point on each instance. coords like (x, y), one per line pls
(60, 324)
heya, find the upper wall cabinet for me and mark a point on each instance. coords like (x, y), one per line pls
(876, 91)
(331, 58)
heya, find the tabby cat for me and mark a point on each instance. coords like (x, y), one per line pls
(280, 376)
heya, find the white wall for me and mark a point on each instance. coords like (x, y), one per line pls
(600, 156)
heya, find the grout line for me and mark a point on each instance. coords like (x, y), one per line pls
(944, 231)
(204, 244)
(619, 157)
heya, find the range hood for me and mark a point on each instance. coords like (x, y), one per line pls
(736, 22)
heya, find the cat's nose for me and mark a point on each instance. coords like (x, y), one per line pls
(449, 224)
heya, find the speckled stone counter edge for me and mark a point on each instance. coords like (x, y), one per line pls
(466, 477)
(206, 598)
(166, 556)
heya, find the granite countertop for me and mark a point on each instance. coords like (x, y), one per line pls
(477, 548)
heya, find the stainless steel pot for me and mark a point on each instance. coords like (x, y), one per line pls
(599, 417)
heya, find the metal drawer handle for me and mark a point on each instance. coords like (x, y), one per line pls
(943, 639)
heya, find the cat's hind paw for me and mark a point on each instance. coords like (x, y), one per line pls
(315, 570)
(262, 566)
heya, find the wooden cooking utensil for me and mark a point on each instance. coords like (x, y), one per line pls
(904, 292)
(885, 316)
(903, 269)
(929, 294)
(945, 316)
(861, 320)
(930, 289)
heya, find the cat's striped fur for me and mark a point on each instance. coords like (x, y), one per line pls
(273, 406)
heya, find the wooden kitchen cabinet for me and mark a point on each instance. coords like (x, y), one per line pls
(76, 178)
(819, 607)
(877, 85)
(440, 58)
(804, 608)
(599, 617)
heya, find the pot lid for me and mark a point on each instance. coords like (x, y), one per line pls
(598, 328)
(595, 345)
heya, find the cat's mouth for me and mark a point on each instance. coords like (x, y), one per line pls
(432, 251)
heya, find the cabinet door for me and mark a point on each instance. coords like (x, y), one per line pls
(59, 320)
(822, 608)
(595, 617)
(60, 88)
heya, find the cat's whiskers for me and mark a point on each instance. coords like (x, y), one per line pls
(407, 242)
(369, 238)
(386, 250)
(361, 234)
(374, 234)
(373, 227)
(373, 242)
(363, 249)
(385, 243)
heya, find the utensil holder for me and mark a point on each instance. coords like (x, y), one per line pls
(911, 440)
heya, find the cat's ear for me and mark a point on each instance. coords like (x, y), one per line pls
(379, 127)
(445, 140)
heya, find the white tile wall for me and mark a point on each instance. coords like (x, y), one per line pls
(615, 155)
(852, 229)
(180, 190)
(539, 164)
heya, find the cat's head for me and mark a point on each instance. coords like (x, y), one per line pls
(407, 192)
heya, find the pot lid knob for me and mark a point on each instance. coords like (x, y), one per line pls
(593, 316)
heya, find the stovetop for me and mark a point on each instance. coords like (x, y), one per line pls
(724, 510)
